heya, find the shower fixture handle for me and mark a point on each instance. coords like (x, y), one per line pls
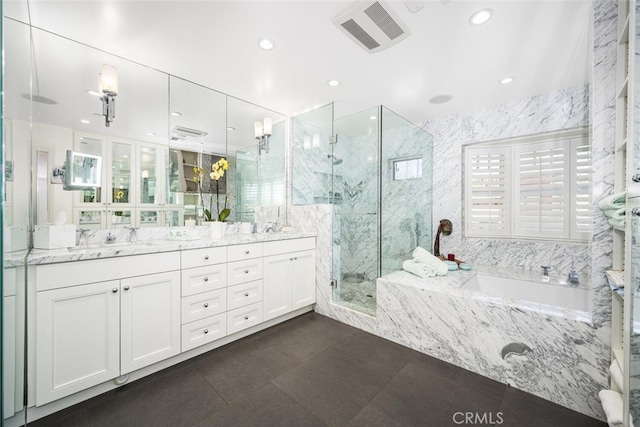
(545, 270)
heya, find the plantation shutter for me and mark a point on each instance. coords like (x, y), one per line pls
(582, 224)
(487, 191)
(541, 194)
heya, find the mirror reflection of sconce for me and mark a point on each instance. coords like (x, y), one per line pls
(108, 88)
(262, 134)
(311, 141)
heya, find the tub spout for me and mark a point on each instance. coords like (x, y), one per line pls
(545, 272)
(573, 277)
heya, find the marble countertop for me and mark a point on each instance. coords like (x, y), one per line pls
(41, 256)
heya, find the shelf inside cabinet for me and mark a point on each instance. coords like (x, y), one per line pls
(618, 356)
(623, 34)
(622, 92)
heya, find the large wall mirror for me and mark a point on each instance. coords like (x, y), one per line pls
(161, 129)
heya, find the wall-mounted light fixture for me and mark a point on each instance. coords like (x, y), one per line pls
(108, 89)
(262, 133)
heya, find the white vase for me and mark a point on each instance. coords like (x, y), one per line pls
(217, 229)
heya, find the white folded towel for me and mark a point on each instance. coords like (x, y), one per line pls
(614, 201)
(418, 268)
(425, 257)
(612, 406)
(616, 374)
(615, 213)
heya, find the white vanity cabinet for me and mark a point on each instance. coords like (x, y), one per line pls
(244, 293)
(289, 276)
(204, 296)
(90, 332)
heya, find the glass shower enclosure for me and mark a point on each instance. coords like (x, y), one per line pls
(374, 167)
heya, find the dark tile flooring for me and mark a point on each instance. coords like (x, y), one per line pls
(314, 371)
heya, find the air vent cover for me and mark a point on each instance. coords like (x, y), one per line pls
(183, 132)
(372, 25)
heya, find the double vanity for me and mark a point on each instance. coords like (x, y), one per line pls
(104, 316)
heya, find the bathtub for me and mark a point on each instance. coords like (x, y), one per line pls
(547, 294)
(506, 325)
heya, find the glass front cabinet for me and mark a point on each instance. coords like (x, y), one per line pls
(136, 185)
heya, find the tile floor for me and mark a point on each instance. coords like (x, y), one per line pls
(314, 371)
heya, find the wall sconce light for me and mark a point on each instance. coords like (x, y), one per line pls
(262, 133)
(108, 89)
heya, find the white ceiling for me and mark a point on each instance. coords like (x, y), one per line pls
(543, 44)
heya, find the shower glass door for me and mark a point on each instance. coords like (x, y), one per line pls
(406, 185)
(355, 194)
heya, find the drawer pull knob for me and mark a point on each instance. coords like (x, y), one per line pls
(246, 294)
(206, 279)
(114, 290)
(206, 331)
(246, 252)
(126, 288)
(246, 271)
(295, 257)
(290, 259)
(246, 317)
(206, 257)
(206, 304)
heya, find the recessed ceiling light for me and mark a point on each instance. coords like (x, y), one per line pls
(441, 99)
(266, 44)
(373, 118)
(333, 83)
(85, 121)
(151, 133)
(231, 128)
(480, 17)
(176, 113)
(506, 80)
(93, 92)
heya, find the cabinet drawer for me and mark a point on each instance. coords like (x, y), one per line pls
(240, 252)
(244, 317)
(203, 279)
(204, 331)
(244, 271)
(244, 294)
(286, 246)
(196, 307)
(202, 257)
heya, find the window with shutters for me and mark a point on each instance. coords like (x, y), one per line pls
(535, 187)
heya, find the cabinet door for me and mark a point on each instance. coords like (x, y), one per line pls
(276, 294)
(77, 342)
(150, 324)
(303, 279)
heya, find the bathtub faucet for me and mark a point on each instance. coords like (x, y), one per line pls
(545, 272)
(573, 277)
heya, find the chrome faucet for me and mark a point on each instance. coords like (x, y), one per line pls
(110, 238)
(133, 237)
(573, 277)
(83, 239)
(545, 272)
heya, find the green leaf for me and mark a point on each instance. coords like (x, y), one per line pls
(224, 214)
(207, 214)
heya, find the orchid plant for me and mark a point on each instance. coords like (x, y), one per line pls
(217, 172)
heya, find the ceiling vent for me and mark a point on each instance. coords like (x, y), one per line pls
(372, 25)
(183, 132)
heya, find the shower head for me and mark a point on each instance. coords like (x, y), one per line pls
(336, 161)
